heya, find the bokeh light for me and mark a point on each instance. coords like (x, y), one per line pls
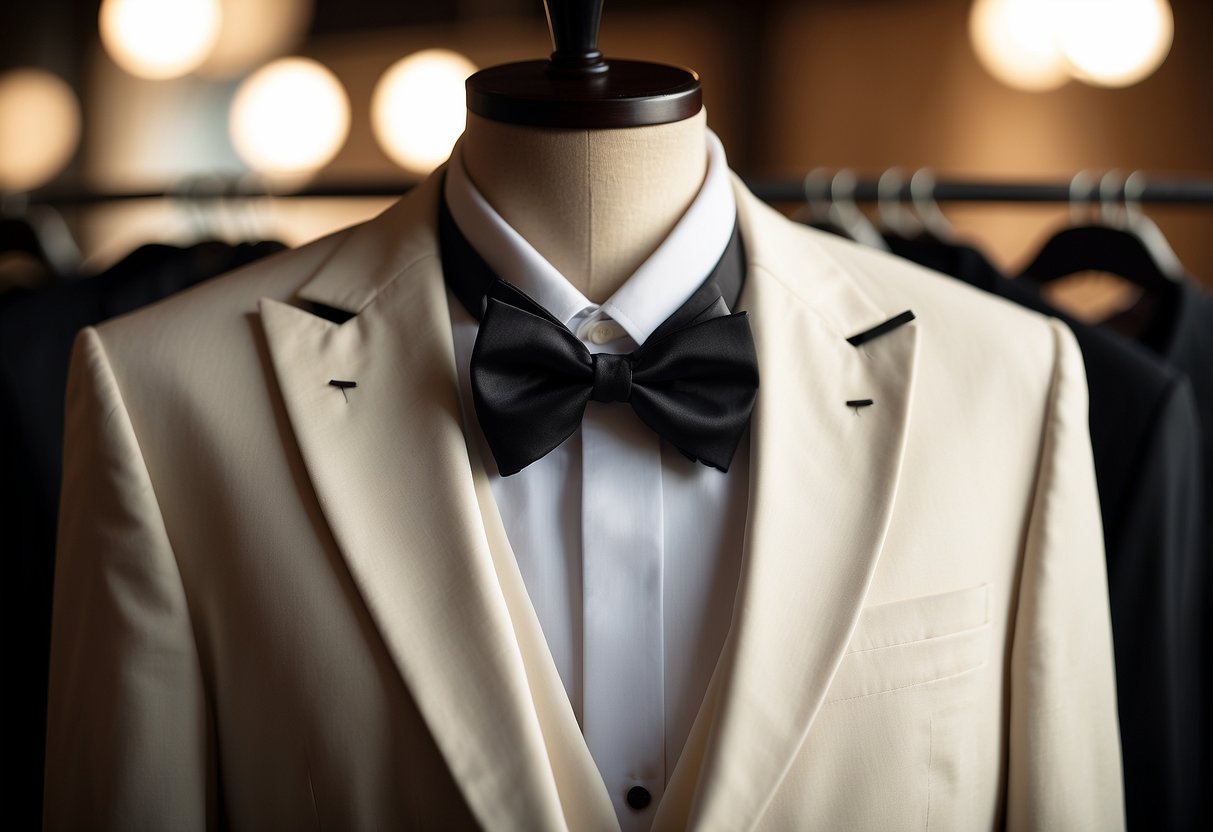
(1115, 43)
(290, 117)
(1040, 44)
(39, 128)
(1016, 43)
(418, 108)
(159, 38)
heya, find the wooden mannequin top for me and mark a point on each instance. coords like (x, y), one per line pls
(594, 203)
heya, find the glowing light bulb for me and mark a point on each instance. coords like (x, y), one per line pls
(39, 128)
(418, 108)
(159, 38)
(1014, 41)
(1114, 43)
(290, 117)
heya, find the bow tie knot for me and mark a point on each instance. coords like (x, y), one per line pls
(692, 384)
(612, 378)
(693, 380)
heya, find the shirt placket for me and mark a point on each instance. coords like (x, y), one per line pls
(622, 569)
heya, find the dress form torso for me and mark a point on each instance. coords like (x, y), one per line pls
(595, 203)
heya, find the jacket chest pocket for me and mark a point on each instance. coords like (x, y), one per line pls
(913, 642)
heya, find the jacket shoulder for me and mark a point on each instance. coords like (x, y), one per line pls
(954, 310)
(222, 301)
(983, 359)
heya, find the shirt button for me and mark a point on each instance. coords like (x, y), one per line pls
(639, 797)
(604, 332)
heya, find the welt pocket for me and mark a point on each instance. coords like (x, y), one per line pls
(907, 643)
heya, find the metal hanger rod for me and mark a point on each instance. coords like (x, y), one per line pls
(1171, 190)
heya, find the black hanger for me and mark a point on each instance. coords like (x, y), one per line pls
(576, 87)
(1133, 249)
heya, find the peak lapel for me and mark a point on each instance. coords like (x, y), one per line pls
(391, 472)
(824, 477)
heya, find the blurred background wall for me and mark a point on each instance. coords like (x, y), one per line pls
(790, 86)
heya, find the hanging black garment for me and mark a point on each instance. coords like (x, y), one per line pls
(1145, 437)
(1181, 333)
(37, 328)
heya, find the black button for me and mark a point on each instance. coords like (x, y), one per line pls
(639, 797)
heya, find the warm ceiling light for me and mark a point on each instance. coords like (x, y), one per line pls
(159, 38)
(39, 128)
(290, 117)
(253, 32)
(418, 108)
(1115, 43)
(1015, 41)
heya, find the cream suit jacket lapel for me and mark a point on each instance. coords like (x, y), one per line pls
(391, 472)
(414, 518)
(823, 481)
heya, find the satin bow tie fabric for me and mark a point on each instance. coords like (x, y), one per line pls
(693, 381)
(694, 384)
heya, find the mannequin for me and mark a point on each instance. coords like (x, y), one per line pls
(572, 156)
(633, 186)
(592, 162)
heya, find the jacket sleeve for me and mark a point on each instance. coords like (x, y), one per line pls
(1065, 767)
(127, 727)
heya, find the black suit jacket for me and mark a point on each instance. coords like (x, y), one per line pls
(1181, 333)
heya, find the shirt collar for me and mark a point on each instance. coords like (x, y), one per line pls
(650, 295)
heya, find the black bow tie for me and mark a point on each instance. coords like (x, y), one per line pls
(693, 381)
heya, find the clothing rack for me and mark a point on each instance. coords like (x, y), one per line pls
(1147, 190)
(1177, 191)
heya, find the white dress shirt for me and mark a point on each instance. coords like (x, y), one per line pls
(629, 551)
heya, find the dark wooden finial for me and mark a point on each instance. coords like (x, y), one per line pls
(577, 87)
(574, 29)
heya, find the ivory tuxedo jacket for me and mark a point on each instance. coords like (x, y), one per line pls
(276, 608)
